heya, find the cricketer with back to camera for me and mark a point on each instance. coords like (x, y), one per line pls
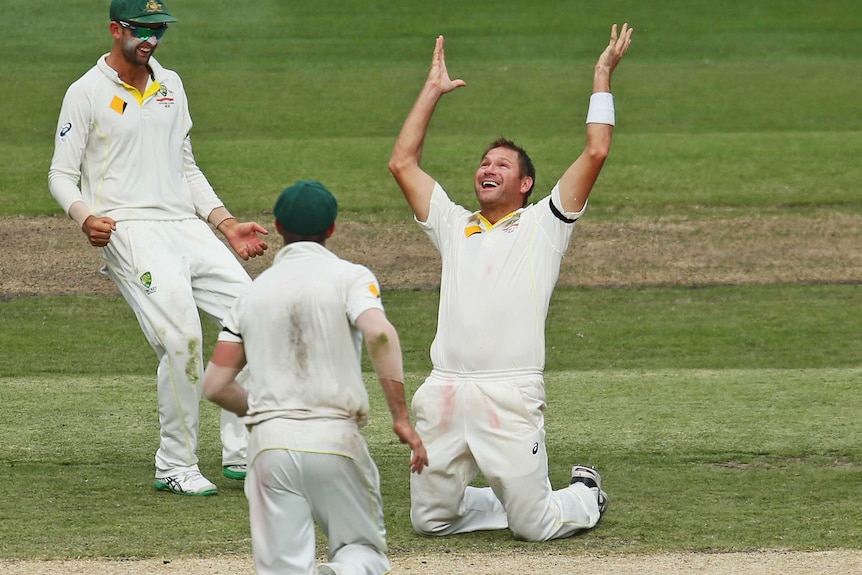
(299, 329)
(482, 406)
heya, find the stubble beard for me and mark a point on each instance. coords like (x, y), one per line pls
(130, 51)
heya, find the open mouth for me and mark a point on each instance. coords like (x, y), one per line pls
(489, 185)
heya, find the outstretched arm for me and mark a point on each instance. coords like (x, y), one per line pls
(404, 163)
(577, 183)
(384, 349)
(243, 237)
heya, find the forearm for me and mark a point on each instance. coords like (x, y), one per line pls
(381, 342)
(411, 139)
(79, 211)
(221, 387)
(63, 185)
(385, 353)
(393, 391)
(387, 362)
(601, 78)
(204, 197)
(384, 350)
(221, 218)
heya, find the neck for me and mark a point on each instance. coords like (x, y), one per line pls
(132, 74)
(494, 215)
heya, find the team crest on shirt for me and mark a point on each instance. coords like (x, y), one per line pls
(512, 224)
(165, 97)
(147, 282)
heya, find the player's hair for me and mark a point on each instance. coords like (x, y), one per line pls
(290, 237)
(525, 164)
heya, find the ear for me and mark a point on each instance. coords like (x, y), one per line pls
(278, 228)
(116, 30)
(526, 184)
(330, 231)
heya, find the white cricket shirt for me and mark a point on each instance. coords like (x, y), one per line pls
(297, 324)
(496, 283)
(130, 152)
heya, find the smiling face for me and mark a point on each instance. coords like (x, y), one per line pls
(136, 51)
(500, 186)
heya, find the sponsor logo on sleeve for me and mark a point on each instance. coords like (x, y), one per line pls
(65, 129)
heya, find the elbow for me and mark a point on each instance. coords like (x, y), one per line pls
(209, 390)
(377, 339)
(381, 339)
(211, 386)
(396, 166)
(400, 163)
(598, 152)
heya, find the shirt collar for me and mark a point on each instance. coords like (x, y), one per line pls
(477, 223)
(301, 249)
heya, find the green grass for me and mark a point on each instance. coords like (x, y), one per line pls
(720, 104)
(694, 459)
(722, 418)
(725, 327)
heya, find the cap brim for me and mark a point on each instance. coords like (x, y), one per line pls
(154, 19)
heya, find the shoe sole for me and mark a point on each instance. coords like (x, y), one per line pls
(164, 487)
(593, 480)
(230, 474)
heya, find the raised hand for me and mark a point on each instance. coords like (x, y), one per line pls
(438, 75)
(616, 48)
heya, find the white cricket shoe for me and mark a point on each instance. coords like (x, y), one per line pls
(591, 478)
(187, 483)
(237, 472)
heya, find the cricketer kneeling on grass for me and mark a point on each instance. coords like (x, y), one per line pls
(481, 408)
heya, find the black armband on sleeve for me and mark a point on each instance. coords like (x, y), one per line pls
(559, 215)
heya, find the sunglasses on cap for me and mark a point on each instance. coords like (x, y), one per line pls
(144, 33)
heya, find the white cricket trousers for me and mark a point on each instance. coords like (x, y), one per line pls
(166, 271)
(491, 422)
(323, 472)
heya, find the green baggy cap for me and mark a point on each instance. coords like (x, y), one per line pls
(306, 208)
(144, 11)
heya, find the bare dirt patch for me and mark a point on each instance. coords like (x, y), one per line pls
(494, 563)
(49, 256)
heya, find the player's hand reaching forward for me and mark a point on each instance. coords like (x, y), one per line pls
(407, 434)
(438, 76)
(243, 238)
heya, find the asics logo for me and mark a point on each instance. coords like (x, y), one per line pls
(535, 448)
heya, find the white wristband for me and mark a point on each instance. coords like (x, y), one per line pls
(601, 109)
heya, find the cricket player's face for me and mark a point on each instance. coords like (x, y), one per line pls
(498, 180)
(138, 51)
